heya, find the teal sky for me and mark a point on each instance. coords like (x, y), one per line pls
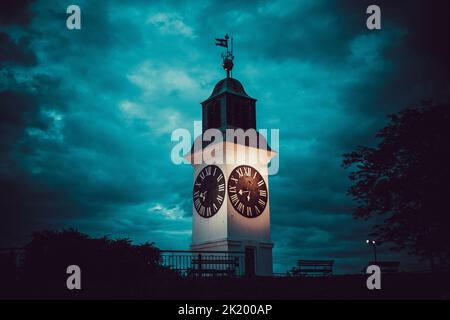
(87, 115)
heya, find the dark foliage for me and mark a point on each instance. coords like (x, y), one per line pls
(109, 268)
(406, 179)
(116, 269)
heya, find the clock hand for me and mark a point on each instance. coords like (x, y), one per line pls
(203, 195)
(241, 192)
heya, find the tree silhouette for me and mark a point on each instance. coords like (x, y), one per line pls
(406, 179)
(109, 267)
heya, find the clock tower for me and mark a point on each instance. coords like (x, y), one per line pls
(231, 203)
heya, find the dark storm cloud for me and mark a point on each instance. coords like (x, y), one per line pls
(41, 186)
(15, 12)
(312, 34)
(416, 56)
(71, 159)
(16, 53)
(27, 197)
(408, 65)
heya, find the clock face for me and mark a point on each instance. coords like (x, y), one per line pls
(247, 191)
(209, 191)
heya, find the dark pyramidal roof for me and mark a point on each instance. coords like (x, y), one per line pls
(229, 85)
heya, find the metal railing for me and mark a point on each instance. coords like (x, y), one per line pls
(184, 262)
(204, 263)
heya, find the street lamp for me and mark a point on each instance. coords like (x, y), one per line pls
(373, 244)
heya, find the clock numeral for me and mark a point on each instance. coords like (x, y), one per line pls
(215, 208)
(232, 189)
(222, 187)
(202, 175)
(240, 207)
(261, 202)
(257, 210)
(240, 173)
(220, 177)
(234, 199)
(197, 203)
(248, 171)
(208, 171)
(208, 212)
(263, 193)
(219, 199)
(214, 173)
(198, 184)
(234, 179)
(202, 211)
(249, 212)
(260, 183)
(196, 194)
(254, 175)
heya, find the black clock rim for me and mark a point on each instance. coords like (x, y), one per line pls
(246, 165)
(193, 188)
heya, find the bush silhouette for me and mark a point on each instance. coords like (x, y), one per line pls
(107, 266)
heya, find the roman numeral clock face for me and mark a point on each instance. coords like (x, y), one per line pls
(247, 191)
(209, 191)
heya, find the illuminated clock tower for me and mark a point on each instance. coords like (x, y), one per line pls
(231, 206)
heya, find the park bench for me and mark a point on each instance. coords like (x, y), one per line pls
(387, 266)
(314, 267)
(206, 266)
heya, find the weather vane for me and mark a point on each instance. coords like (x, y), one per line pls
(228, 55)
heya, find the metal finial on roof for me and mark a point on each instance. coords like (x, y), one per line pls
(227, 56)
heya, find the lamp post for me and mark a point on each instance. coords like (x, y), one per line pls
(373, 244)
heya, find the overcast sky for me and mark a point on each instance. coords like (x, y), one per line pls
(86, 116)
